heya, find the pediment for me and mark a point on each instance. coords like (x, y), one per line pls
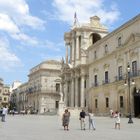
(121, 91)
(132, 38)
(95, 70)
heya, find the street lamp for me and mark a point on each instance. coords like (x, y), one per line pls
(127, 82)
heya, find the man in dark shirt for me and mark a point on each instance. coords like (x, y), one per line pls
(82, 119)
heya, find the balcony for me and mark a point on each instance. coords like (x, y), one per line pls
(95, 84)
(119, 78)
(135, 73)
(106, 81)
(123, 77)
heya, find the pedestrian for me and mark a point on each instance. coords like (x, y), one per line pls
(111, 113)
(66, 119)
(91, 121)
(82, 119)
(117, 121)
(4, 113)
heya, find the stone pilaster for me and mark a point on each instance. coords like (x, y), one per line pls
(82, 91)
(72, 92)
(76, 92)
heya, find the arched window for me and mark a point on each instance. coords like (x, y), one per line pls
(94, 37)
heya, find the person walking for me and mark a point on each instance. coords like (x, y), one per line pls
(4, 113)
(117, 121)
(91, 121)
(82, 119)
(66, 119)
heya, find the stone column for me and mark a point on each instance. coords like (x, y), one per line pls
(76, 92)
(82, 91)
(66, 94)
(70, 53)
(77, 47)
(66, 53)
(73, 50)
(72, 92)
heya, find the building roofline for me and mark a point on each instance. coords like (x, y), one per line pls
(126, 24)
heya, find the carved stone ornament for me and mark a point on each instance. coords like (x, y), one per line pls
(133, 54)
(106, 66)
(121, 91)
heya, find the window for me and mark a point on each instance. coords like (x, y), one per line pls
(107, 102)
(79, 41)
(106, 77)
(96, 103)
(106, 49)
(120, 72)
(95, 54)
(134, 68)
(119, 41)
(57, 87)
(121, 101)
(5, 98)
(85, 84)
(56, 104)
(95, 80)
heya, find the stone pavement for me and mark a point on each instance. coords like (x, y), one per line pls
(37, 127)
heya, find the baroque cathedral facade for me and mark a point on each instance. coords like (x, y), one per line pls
(95, 68)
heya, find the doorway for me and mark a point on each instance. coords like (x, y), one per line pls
(137, 103)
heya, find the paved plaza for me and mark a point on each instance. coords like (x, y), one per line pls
(37, 127)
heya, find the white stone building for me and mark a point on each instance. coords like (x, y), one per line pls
(4, 93)
(44, 86)
(95, 70)
(107, 62)
(75, 74)
(42, 91)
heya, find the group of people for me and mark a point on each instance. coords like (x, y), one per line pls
(82, 116)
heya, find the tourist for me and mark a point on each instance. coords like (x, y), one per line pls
(91, 121)
(4, 113)
(117, 121)
(82, 119)
(66, 119)
(111, 113)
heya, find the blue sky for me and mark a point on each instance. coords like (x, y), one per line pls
(31, 31)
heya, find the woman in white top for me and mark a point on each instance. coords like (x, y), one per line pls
(91, 121)
(117, 121)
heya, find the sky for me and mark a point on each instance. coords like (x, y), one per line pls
(32, 31)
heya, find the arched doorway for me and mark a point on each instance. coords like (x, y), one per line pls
(137, 102)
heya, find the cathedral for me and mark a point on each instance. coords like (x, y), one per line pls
(101, 69)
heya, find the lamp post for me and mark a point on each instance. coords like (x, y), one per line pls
(127, 82)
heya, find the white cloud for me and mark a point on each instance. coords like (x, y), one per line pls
(15, 16)
(8, 60)
(18, 10)
(25, 38)
(65, 10)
